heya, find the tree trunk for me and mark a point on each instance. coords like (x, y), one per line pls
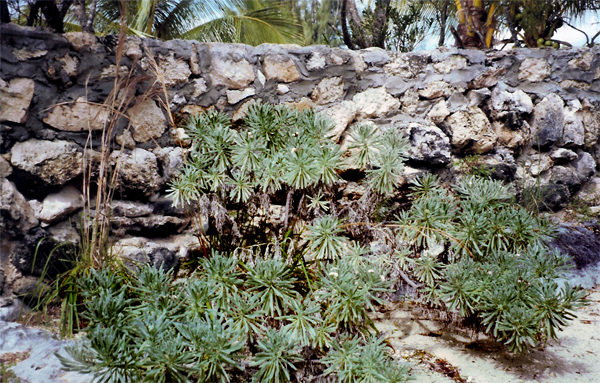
(4, 13)
(380, 23)
(443, 21)
(345, 33)
(86, 20)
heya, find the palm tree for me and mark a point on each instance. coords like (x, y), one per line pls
(236, 21)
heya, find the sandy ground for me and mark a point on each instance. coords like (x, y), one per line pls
(437, 351)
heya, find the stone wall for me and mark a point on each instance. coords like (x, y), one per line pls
(531, 116)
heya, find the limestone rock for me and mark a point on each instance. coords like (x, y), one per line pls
(342, 115)
(562, 156)
(573, 132)
(174, 71)
(359, 64)
(130, 209)
(81, 40)
(590, 117)
(583, 62)
(16, 216)
(242, 111)
(590, 192)
(280, 68)
(79, 116)
(150, 226)
(436, 89)
(147, 120)
(487, 79)
(511, 139)
(564, 175)
(504, 102)
(56, 206)
(199, 87)
(472, 130)
(111, 70)
(66, 65)
(548, 121)
(5, 168)
(585, 165)
(282, 89)
(125, 140)
(410, 102)
(231, 74)
(375, 102)
(132, 48)
(170, 160)
(25, 54)
(428, 145)
(316, 62)
(195, 61)
(138, 171)
(455, 62)
(399, 66)
(15, 98)
(261, 77)
(501, 164)
(328, 90)
(439, 112)
(478, 96)
(54, 162)
(235, 96)
(537, 163)
(534, 70)
(375, 56)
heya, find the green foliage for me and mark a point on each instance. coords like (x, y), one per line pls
(486, 259)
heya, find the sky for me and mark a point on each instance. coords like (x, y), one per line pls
(589, 24)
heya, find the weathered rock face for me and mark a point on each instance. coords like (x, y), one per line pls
(138, 172)
(147, 120)
(16, 216)
(530, 115)
(15, 97)
(54, 162)
(56, 206)
(79, 116)
(548, 122)
(472, 130)
(428, 145)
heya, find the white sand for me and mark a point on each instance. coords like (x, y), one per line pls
(574, 358)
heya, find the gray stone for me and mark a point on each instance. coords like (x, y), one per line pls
(16, 216)
(458, 102)
(138, 171)
(436, 89)
(147, 120)
(15, 98)
(534, 70)
(328, 90)
(171, 160)
(54, 162)
(25, 54)
(478, 96)
(564, 175)
(590, 117)
(375, 102)
(130, 209)
(561, 156)
(56, 206)
(585, 165)
(590, 192)
(548, 122)
(153, 225)
(132, 48)
(235, 96)
(501, 165)
(471, 130)
(231, 74)
(41, 364)
(280, 68)
(428, 145)
(486, 79)
(504, 102)
(573, 132)
(375, 56)
(78, 116)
